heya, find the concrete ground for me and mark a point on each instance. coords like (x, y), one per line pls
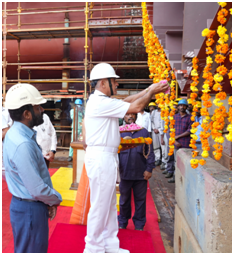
(163, 194)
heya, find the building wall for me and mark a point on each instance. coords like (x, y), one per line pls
(204, 196)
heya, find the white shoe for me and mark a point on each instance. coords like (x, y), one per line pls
(118, 251)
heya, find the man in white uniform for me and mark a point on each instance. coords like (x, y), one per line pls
(143, 120)
(46, 139)
(101, 159)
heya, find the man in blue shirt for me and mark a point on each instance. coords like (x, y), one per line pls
(135, 167)
(33, 198)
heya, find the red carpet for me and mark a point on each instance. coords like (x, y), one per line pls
(63, 216)
(69, 238)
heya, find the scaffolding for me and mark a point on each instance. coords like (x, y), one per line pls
(92, 27)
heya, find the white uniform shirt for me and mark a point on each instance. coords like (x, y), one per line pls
(102, 120)
(46, 135)
(144, 120)
(6, 119)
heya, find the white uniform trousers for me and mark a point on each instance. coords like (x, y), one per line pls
(161, 152)
(102, 225)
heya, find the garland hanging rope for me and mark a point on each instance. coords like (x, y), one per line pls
(216, 125)
(160, 69)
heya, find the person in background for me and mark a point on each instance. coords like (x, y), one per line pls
(190, 106)
(6, 124)
(46, 139)
(34, 200)
(135, 170)
(159, 148)
(152, 106)
(143, 120)
(198, 118)
(182, 134)
(80, 116)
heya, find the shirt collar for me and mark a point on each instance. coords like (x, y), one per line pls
(99, 93)
(26, 130)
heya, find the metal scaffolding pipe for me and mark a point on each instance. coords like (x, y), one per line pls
(86, 50)
(18, 60)
(4, 52)
(49, 81)
(51, 12)
(47, 63)
(19, 11)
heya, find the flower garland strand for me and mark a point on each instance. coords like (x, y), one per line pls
(220, 112)
(159, 68)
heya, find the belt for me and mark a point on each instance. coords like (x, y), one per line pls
(103, 148)
(27, 200)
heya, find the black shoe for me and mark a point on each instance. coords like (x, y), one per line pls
(69, 159)
(169, 175)
(140, 229)
(163, 166)
(122, 227)
(158, 163)
(164, 172)
(172, 180)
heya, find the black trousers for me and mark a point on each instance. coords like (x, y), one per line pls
(139, 189)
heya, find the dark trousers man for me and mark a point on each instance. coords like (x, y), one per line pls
(139, 188)
(29, 221)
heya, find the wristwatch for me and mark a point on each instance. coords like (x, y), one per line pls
(53, 151)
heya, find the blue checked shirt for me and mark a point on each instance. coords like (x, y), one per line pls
(183, 124)
(27, 175)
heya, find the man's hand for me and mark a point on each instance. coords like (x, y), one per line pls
(162, 86)
(52, 211)
(147, 175)
(177, 144)
(156, 131)
(50, 156)
(162, 140)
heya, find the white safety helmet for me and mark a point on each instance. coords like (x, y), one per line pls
(22, 94)
(102, 71)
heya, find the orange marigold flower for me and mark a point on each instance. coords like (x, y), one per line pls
(202, 162)
(219, 58)
(211, 33)
(204, 112)
(217, 155)
(217, 87)
(193, 95)
(222, 48)
(230, 75)
(221, 95)
(223, 12)
(209, 42)
(221, 19)
(194, 153)
(230, 100)
(195, 60)
(205, 97)
(222, 70)
(209, 51)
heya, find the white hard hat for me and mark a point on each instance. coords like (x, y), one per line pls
(22, 94)
(102, 71)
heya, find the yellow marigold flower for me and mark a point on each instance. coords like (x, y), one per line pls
(194, 72)
(194, 161)
(205, 32)
(229, 127)
(230, 11)
(206, 86)
(229, 137)
(223, 4)
(217, 103)
(172, 146)
(209, 60)
(194, 137)
(193, 130)
(221, 31)
(218, 77)
(205, 154)
(219, 139)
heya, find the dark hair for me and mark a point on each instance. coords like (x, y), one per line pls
(94, 83)
(16, 114)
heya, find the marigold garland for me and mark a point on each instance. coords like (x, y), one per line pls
(160, 69)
